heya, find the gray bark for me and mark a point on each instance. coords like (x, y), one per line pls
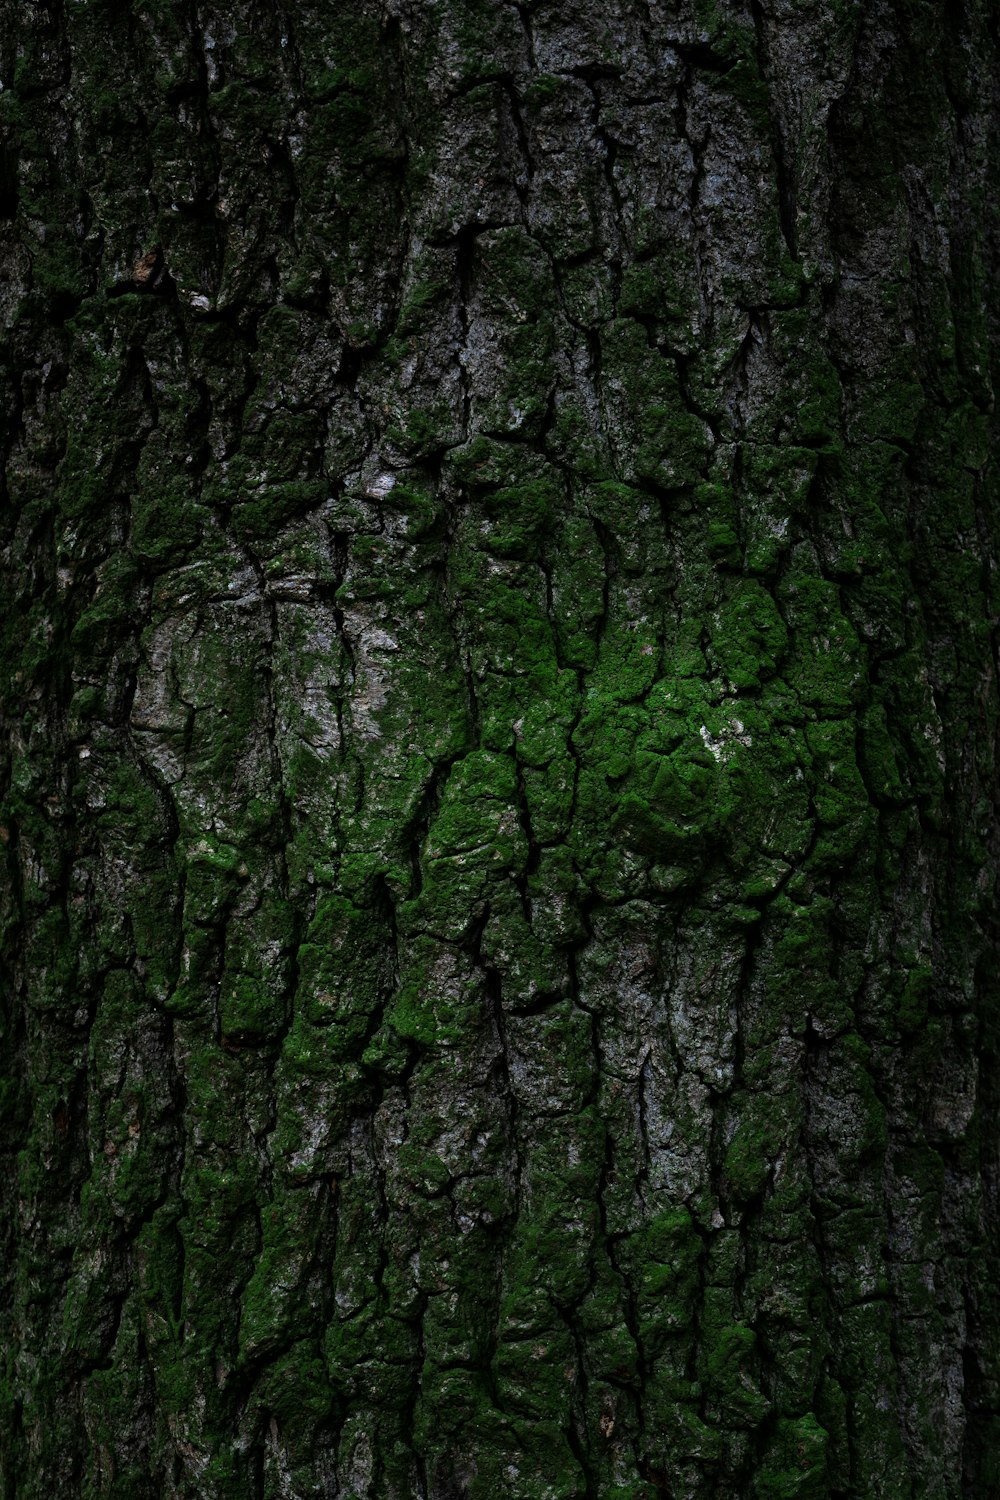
(498, 771)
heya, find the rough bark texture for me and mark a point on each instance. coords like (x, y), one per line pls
(498, 761)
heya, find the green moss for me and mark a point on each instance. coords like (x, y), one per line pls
(846, 817)
(417, 1080)
(167, 522)
(56, 273)
(52, 954)
(812, 388)
(542, 88)
(475, 812)
(827, 666)
(661, 288)
(275, 1305)
(159, 1273)
(728, 1365)
(253, 995)
(751, 1153)
(106, 618)
(777, 483)
(749, 639)
(794, 1463)
(432, 1006)
(672, 803)
(915, 998)
(345, 969)
(656, 437)
(296, 1388)
(519, 517)
(119, 1462)
(214, 872)
(423, 432)
(514, 276)
(664, 1261)
(877, 758)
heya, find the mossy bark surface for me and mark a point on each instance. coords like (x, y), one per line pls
(498, 764)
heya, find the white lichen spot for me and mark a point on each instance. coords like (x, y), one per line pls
(734, 733)
(380, 486)
(714, 746)
(376, 637)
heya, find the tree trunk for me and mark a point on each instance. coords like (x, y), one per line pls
(498, 762)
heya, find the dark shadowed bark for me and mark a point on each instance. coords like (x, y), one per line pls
(498, 772)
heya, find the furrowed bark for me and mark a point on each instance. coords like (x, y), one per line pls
(499, 529)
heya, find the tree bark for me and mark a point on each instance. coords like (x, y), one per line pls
(498, 759)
